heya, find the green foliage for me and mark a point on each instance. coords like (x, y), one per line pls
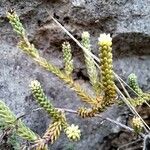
(24, 44)
(91, 68)
(106, 65)
(105, 95)
(133, 83)
(58, 117)
(141, 97)
(43, 101)
(66, 48)
(16, 23)
(29, 49)
(9, 118)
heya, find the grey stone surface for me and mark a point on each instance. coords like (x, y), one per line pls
(128, 23)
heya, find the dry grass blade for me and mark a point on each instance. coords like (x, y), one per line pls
(123, 87)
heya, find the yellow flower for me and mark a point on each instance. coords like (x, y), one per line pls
(137, 124)
(73, 132)
(105, 40)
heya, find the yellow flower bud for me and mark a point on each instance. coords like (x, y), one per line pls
(105, 40)
(73, 132)
(137, 124)
(106, 65)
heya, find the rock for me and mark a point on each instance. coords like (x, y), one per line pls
(146, 142)
(126, 21)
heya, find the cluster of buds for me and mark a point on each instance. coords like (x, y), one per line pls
(73, 132)
(43, 101)
(137, 124)
(133, 83)
(16, 23)
(91, 68)
(105, 43)
(24, 44)
(66, 48)
(142, 97)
